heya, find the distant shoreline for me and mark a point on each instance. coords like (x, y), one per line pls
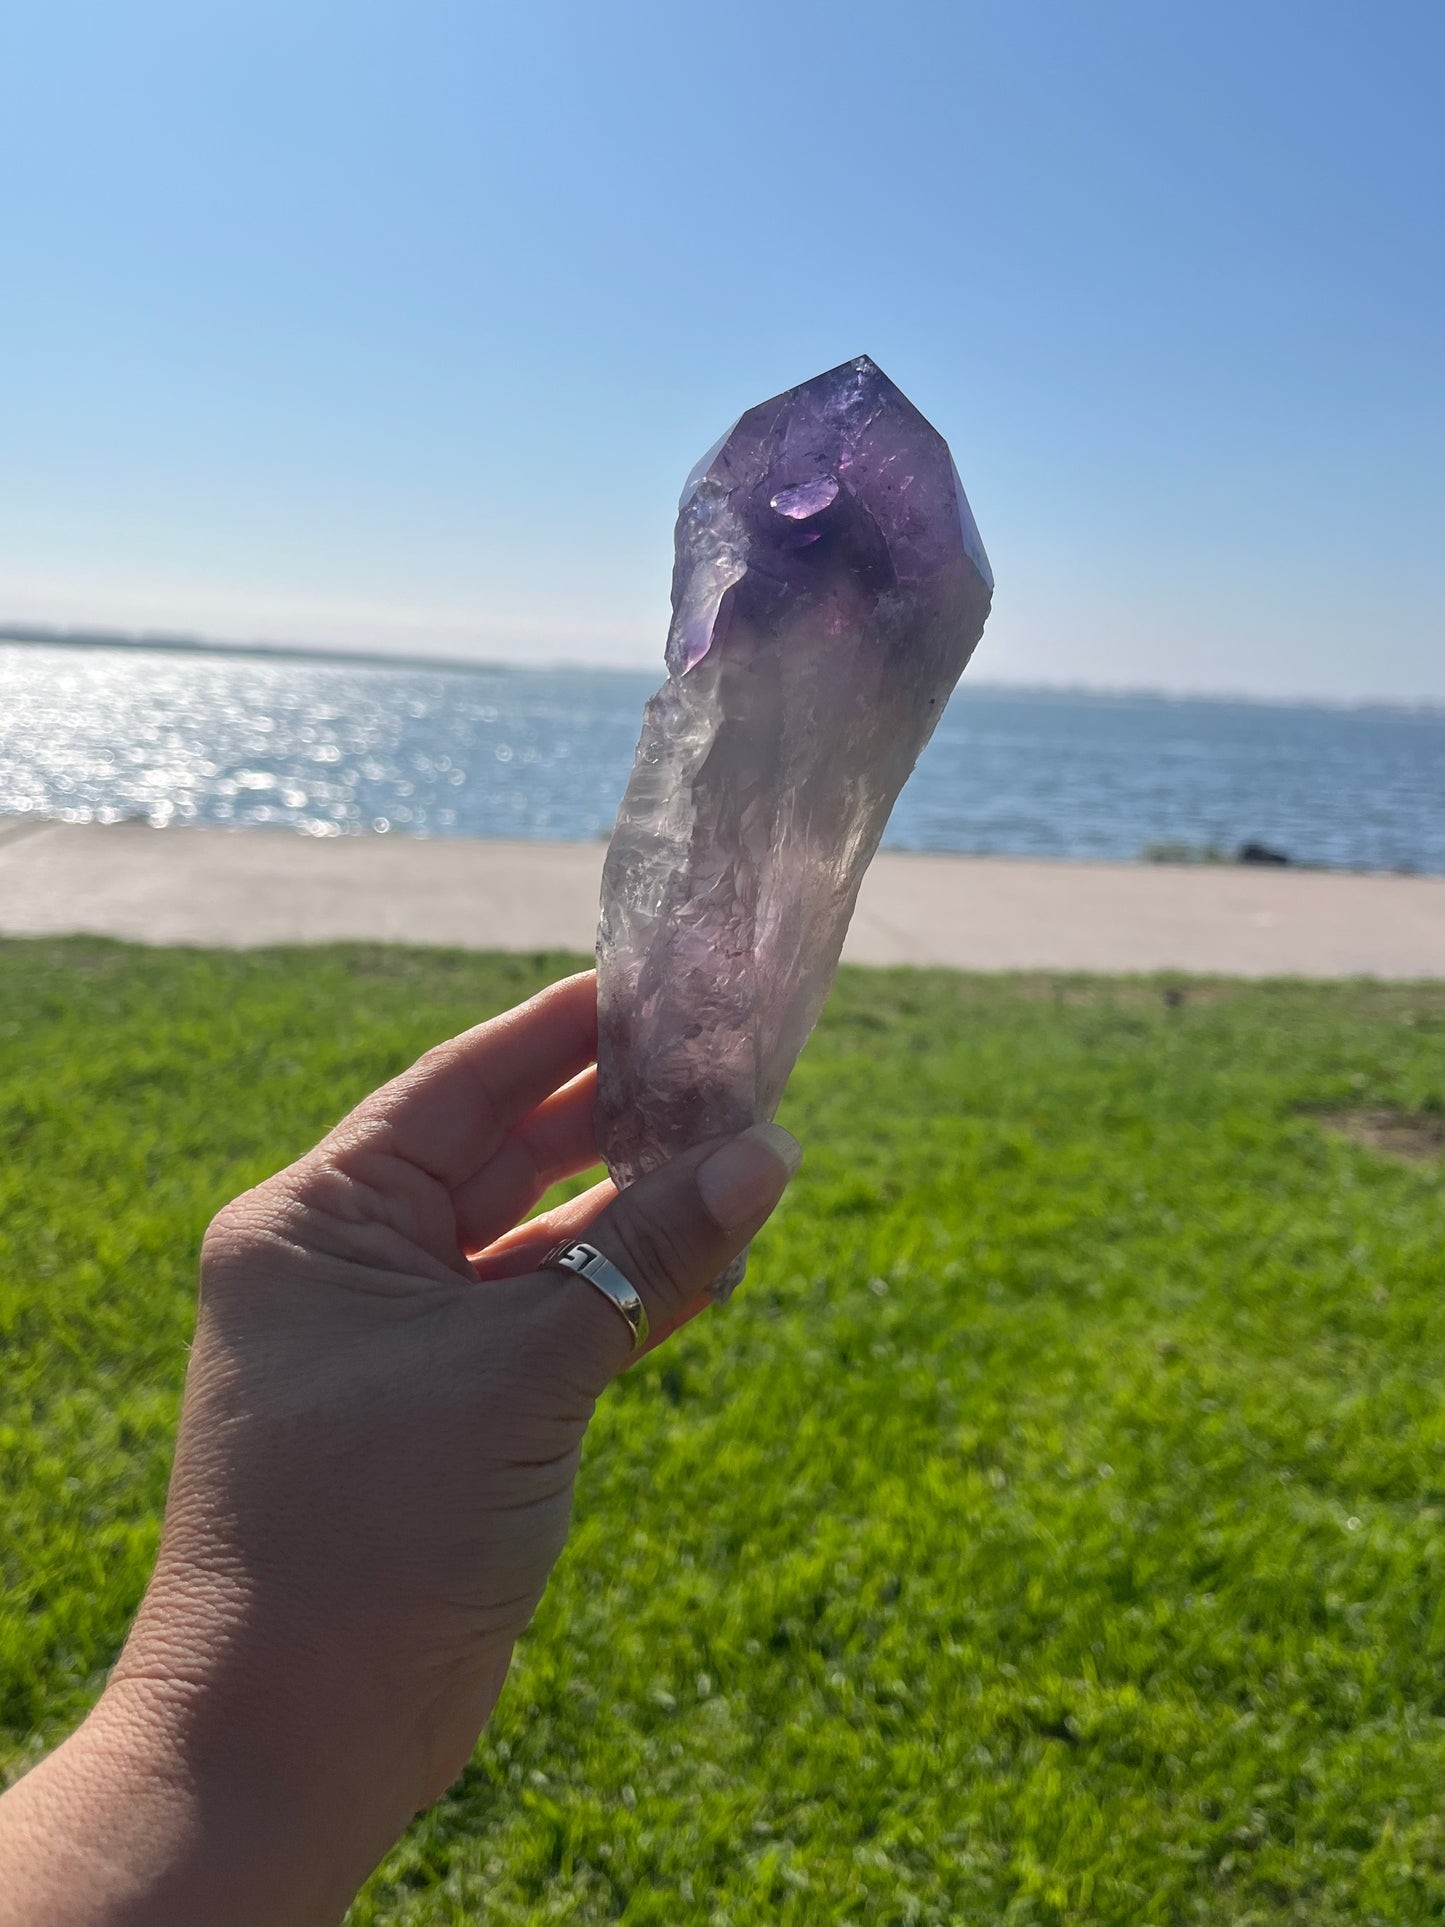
(975, 687)
(33, 636)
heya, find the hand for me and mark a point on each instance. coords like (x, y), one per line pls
(382, 1423)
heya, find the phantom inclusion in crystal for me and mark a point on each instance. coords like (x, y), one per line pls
(829, 587)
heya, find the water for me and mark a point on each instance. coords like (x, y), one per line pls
(99, 734)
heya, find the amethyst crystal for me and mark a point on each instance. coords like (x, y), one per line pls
(829, 587)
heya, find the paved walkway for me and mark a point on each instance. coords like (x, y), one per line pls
(248, 887)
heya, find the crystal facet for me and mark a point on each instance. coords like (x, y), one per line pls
(829, 587)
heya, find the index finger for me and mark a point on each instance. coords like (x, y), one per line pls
(454, 1108)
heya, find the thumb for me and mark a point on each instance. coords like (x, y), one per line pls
(677, 1230)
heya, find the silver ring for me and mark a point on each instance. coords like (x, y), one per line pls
(588, 1262)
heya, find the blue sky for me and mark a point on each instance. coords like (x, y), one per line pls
(400, 325)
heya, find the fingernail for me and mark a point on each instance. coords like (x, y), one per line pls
(742, 1180)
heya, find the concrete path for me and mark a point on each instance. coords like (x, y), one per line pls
(249, 887)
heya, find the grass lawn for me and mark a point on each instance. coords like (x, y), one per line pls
(1050, 1531)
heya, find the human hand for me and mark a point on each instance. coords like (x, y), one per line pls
(383, 1418)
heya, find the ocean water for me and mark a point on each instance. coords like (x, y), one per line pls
(326, 749)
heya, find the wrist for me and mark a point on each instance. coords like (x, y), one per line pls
(283, 1770)
(136, 1821)
(231, 1772)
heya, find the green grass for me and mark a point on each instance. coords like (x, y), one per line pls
(1051, 1530)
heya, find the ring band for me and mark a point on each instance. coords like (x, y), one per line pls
(588, 1262)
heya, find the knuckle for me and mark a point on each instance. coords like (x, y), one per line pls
(240, 1228)
(319, 1184)
(228, 1232)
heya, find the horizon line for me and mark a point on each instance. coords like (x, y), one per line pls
(44, 635)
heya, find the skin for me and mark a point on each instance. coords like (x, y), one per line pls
(383, 1418)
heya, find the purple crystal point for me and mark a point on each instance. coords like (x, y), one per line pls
(829, 587)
